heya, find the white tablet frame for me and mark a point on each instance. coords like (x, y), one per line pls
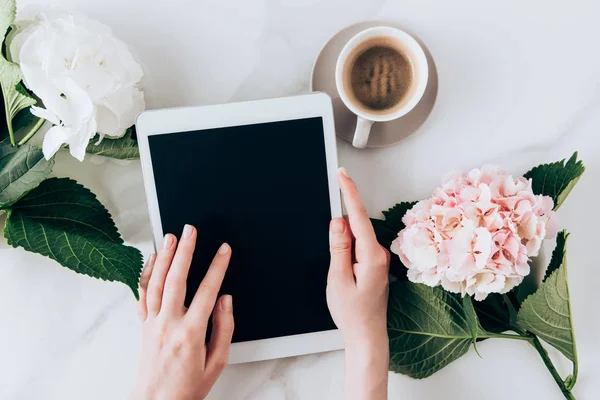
(161, 122)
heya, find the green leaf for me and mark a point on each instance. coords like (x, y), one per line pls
(556, 179)
(558, 255)
(3, 125)
(8, 11)
(14, 94)
(25, 122)
(494, 313)
(387, 230)
(385, 234)
(428, 328)
(547, 312)
(63, 220)
(471, 316)
(124, 148)
(393, 216)
(21, 170)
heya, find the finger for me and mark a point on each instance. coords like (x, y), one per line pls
(220, 340)
(206, 295)
(375, 270)
(357, 215)
(142, 307)
(388, 258)
(175, 284)
(340, 246)
(159, 274)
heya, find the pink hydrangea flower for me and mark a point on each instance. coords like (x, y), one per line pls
(476, 234)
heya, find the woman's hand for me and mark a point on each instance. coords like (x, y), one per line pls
(176, 364)
(357, 294)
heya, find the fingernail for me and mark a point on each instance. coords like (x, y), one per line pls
(187, 231)
(227, 303)
(167, 242)
(337, 226)
(224, 249)
(343, 171)
(151, 259)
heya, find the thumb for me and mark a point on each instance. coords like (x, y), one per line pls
(340, 245)
(220, 340)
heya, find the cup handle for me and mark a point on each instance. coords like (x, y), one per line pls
(361, 135)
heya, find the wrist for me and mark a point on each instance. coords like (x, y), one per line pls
(141, 393)
(136, 395)
(368, 352)
(366, 366)
(367, 341)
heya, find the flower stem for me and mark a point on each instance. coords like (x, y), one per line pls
(506, 336)
(11, 133)
(535, 342)
(565, 385)
(32, 131)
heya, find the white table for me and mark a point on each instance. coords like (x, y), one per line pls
(519, 84)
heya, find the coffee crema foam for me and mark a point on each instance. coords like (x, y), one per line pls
(380, 77)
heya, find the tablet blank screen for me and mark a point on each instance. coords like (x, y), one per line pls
(263, 189)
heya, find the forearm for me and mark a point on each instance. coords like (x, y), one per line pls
(366, 370)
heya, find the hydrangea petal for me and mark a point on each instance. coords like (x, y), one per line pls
(476, 234)
(85, 77)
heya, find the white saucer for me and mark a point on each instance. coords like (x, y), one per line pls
(384, 133)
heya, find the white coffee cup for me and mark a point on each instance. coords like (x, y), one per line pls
(403, 43)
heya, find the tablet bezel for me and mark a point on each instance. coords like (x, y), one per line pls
(186, 119)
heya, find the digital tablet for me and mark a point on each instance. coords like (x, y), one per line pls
(260, 176)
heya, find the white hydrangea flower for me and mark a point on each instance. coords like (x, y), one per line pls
(86, 78)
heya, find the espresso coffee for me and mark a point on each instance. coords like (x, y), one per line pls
(380, 77)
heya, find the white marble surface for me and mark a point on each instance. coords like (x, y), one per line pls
(519, 84)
